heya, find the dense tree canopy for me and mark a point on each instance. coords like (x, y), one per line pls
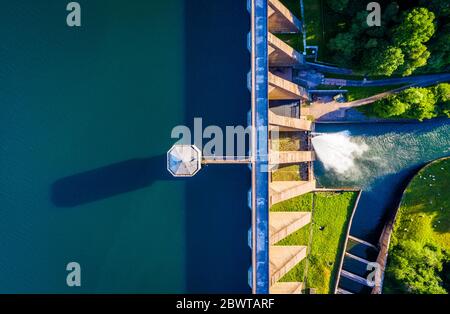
(415, 103)
(408, 39)
(416, 267)
(337, 5)
(442, 94)
(384, 61)
(421, 103)
(440, 7)
(440, 50)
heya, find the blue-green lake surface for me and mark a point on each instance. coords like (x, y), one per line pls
(86, 118)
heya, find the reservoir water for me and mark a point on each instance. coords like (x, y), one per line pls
(86, 118)
(379, 158)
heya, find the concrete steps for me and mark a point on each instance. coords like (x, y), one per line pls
(281, 54)
(290, 157)
(283, 259)
(280, 191)
(281, 20)
(286, 288)
(280, 88)
(289, 123)
(282, 224)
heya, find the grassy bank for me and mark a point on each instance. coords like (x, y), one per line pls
(331, 215)
(420, 244)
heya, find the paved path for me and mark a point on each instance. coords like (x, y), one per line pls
(336, 111)
(417, 79)
(328, 68)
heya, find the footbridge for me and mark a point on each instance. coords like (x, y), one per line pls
(355, 267)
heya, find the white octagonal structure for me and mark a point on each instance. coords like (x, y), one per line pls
(184, 160)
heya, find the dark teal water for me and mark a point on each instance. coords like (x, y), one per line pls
(86, 117)
(396, 151)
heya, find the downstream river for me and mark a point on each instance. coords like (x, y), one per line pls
(384, 156)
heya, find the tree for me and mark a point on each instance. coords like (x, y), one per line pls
(384, 61)
(416, 56)
(345, 45)
(416, 267)
(440, 7)
(412, 103)
(391, 12)
(337, 5)
(390, 107)
(440, 50)
(421, 102)
(442, 95)
(417, 28)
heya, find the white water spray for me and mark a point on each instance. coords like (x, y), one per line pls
(337, 151)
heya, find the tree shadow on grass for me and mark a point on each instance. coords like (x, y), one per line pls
(101, 183)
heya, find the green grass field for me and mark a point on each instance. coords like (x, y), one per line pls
(419, 254)
(424, 214)
(331, 214)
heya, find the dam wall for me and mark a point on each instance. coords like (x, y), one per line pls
(260, 176)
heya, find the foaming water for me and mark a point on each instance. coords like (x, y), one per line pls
(337, 151)
(354, 159)
(379, 158)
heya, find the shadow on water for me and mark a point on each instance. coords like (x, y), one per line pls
(108, 181)
(217, 214)
(218, 220)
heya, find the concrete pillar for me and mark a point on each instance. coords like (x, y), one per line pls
(282, 224)
(280, 88)
(281, 20)
(283, 190)
(281, 54)
(283, 259)
(291, 123)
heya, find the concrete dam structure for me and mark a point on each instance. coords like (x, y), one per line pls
(277, 105)
(272, 89)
